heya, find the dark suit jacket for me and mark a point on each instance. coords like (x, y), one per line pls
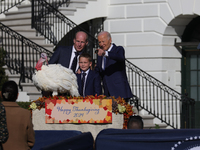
(20, 127)
(92, 85)
(62, 56)
(114, 76)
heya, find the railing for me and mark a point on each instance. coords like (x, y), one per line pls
(5, 5)
(160, 100)
(21, 53)
(53, 25)
(46, 22)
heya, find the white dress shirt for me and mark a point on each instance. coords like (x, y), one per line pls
(72, 58)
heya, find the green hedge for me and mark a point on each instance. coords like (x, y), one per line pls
(24, 104)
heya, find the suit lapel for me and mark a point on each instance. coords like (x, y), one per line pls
(107, 58)
(68, 55)
(113, 48)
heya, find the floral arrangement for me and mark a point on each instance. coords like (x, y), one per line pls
(118, 105)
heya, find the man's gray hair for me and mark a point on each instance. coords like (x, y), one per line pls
(105, 32)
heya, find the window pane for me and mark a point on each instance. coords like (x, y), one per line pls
(193, 92)
(193, 78)
(198, 79)
(198, 62)
(198, 98)
(193, 62)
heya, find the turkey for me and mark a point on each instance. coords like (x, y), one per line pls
(55, 77)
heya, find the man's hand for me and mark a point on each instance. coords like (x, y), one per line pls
(101, 52)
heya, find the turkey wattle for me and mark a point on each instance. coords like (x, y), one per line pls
(55, 77)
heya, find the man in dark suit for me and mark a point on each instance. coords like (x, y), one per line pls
(111, 66)
(89, 82)
(68, 56)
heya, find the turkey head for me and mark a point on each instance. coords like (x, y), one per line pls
(41, 61)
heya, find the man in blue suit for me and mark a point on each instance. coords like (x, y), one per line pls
(68, 56)
(111, 66)
(89, 82)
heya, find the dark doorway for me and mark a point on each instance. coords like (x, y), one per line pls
(191, 65)
(191, 80)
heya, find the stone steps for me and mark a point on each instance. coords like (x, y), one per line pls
(149, 120)
(67, 11)
(78, 3)
(31, 90)
(149, 123)
(34, 96)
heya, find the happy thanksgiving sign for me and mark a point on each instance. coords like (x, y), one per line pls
(78, 111)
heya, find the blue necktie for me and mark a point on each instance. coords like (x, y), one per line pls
(82, 83)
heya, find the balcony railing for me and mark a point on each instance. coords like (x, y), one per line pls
(160, 100)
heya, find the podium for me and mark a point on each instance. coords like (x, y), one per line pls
(38, 118)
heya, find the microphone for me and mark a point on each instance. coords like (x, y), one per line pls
(96, 51)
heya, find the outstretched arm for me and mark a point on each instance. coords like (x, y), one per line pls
(117, 54)
(54, 57)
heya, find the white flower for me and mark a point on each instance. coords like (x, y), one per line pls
(122, 109)
(33, 106)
